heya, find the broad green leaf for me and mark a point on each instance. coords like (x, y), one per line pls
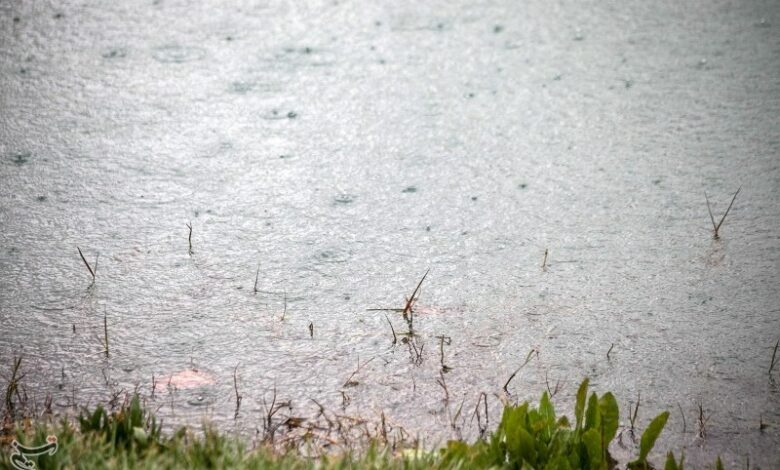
(651, 434)
(527, 449)
(140, 435)
(592, 440)
(610, 417)
(558, 462)
(547, 413)
(592, 415)
(579, 407)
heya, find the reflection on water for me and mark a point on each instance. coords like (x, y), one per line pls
(337, 151)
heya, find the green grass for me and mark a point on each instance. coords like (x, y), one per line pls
(527, 437)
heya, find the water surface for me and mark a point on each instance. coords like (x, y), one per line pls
(344, 148)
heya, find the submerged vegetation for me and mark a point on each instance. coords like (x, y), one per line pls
(527, 437)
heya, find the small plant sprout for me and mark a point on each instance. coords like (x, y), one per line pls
(311, 329)
(716, 227)
(257, 275)
(544, 260)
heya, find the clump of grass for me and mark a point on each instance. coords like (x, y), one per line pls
(716, 227)
(526, 437)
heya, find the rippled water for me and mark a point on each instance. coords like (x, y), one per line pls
(344, 148)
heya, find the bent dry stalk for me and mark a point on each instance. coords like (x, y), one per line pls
(716, 227)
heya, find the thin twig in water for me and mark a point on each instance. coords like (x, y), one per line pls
(544, 261)
(91, 272)
(443, 385)
(610, 349)
(257, 274)
(352, 383)
(683, 417)
(311, 329)
(554, 391)
(482, 428)
(284, 312)
(527, 359)
(189, 237)
(395, 339)
(632, 416)
(105, 331)
(774, 356)
(716, 227)
(417, 357)
(238, 395)
(703, 418)
(442, 340)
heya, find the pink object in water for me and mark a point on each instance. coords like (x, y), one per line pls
(188, 378)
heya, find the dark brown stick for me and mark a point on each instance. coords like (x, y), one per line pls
(86, 263)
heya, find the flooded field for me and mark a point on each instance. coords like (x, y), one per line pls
(328, 154)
